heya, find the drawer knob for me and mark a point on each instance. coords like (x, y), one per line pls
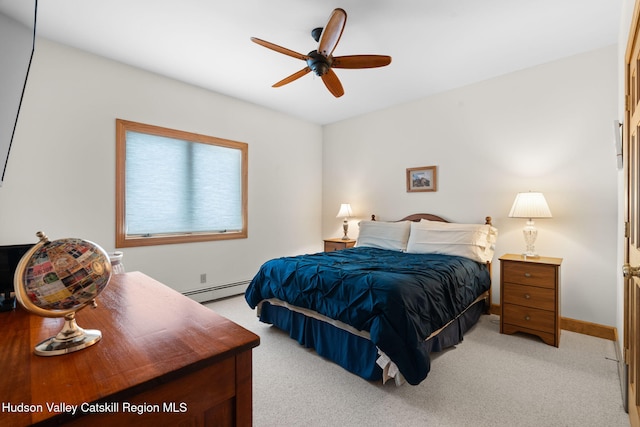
(527, 296)
(527, 274)
(527, 317)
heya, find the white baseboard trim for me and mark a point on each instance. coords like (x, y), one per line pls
(217, 292)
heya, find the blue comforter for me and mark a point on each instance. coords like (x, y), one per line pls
(399, 298)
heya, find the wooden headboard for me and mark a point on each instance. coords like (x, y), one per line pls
(417, 217)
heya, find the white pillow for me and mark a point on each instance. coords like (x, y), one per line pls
(489, 231)
(474, 241)
(384, 235)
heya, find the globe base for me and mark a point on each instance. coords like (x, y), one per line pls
(71, 338)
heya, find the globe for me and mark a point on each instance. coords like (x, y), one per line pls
(58, 278)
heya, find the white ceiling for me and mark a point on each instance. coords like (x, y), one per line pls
(436, 45)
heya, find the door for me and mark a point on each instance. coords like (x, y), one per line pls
(631, 269)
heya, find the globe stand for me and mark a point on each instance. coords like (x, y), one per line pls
(58, 278)
(70, 338)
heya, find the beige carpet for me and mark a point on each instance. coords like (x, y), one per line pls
(487, 380)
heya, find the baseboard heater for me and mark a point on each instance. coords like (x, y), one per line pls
(216, 292)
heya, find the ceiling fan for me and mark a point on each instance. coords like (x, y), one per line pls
(321, 61)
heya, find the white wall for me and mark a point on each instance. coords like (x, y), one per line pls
(61, 174)
(547, 128)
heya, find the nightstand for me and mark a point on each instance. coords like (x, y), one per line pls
(530, 296)
(331, 245)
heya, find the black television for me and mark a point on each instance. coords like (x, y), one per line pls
(17, 44)
(10, 256)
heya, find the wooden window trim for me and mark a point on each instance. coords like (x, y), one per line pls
(124, 241)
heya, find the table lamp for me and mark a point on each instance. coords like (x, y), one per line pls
(346, 213)
(530, 205)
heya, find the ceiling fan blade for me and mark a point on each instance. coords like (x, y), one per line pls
(361, 61)
(280, 49)
(292, 77)
(332, 83)
(332, 32)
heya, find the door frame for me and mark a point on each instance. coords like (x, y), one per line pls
(631, 169)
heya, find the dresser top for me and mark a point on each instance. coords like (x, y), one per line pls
(340, 240)
(539, 260)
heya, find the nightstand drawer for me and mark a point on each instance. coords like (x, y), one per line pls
(530, 296)
(333, 246)
(528, 273)
(530, 318)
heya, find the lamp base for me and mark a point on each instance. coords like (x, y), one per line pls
(530, 233)
(345, 228)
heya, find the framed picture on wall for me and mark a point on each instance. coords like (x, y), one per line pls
(422, 179)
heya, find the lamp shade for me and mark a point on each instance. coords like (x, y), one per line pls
(530, 205)
(345, 211)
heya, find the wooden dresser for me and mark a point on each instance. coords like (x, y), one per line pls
(163, 359)
(331, 245)
(530, 296)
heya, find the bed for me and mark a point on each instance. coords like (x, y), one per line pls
(408, 288)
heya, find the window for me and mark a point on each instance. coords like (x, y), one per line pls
(178, 187)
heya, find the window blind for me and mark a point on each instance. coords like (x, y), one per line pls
(177, 186)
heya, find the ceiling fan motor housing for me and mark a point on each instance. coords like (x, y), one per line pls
(318, 63)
